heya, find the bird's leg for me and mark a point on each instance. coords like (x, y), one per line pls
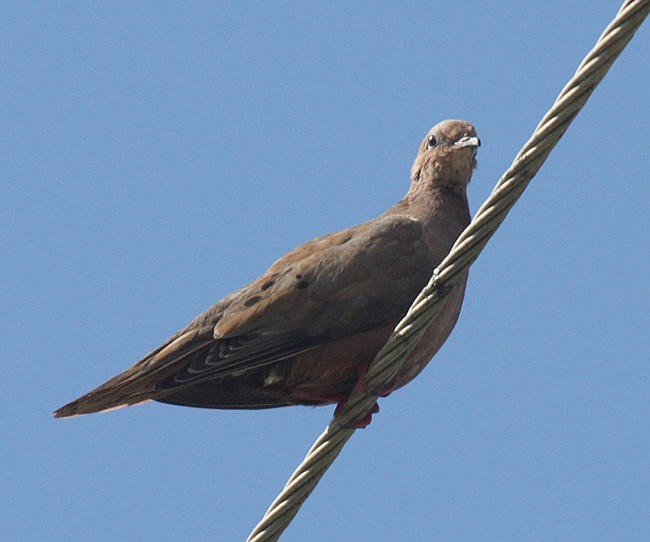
(359, 386)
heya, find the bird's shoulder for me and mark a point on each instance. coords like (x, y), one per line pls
(376, 266)
(387, 228)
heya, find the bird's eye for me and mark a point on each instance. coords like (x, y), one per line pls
(431, 142)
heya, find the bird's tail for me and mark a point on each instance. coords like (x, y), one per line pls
(140, 382)
(127, 388)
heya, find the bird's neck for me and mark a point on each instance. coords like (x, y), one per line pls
(438, 202)
(443, 211)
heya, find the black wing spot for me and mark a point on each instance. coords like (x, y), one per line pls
(302, 284)
(267, 284)
(252, 300)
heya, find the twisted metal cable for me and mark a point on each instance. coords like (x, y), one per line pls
(464, 252)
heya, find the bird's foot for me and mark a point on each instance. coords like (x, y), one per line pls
(360, 423)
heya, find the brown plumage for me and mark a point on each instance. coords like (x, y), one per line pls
(306, 330)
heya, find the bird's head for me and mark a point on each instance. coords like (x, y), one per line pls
(447, 155)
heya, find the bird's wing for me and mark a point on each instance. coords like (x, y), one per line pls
(333, 287)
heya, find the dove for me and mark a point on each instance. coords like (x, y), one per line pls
(305, 331)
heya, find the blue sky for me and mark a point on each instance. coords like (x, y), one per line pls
(156, 156)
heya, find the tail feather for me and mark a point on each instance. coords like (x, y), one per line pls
(139, 383)
(122, 390)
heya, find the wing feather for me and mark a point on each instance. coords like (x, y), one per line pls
(332, 287)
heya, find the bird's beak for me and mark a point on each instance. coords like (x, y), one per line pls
(468, 141)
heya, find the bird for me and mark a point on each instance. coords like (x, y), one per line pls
(305, 331)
